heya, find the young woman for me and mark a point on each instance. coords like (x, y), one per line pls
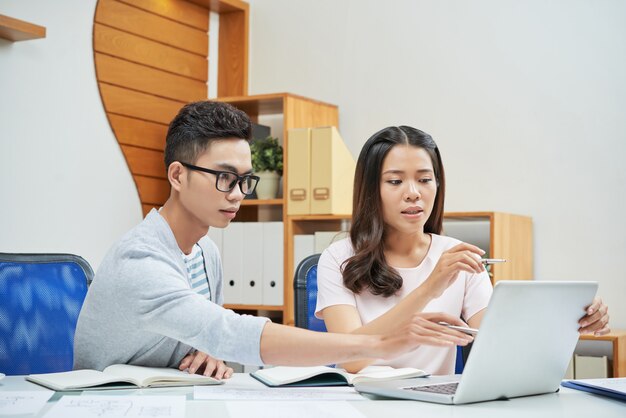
(395, 262)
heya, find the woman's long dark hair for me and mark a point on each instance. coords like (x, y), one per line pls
(368, 269)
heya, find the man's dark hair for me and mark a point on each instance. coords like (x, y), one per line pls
(199, 123)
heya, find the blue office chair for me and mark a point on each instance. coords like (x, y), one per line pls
(41, 295)
(462, 353)
(305, 291)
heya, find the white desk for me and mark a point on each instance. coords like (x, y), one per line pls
(567, 403)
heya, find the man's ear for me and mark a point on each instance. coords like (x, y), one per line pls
(175, 176)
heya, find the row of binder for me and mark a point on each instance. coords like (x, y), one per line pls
(252, 260)
(320, 172)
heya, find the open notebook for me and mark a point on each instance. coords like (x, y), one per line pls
(119, 375)
(328, 376)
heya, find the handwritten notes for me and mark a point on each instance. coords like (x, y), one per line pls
(118, 407)
(23, 402)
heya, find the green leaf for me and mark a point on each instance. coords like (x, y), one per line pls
(267, 155)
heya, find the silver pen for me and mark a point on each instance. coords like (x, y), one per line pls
(466, 330)
(492, 260)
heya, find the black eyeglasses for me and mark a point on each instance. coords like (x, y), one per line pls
(225, 181)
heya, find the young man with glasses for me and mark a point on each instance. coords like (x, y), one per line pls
(155, 300)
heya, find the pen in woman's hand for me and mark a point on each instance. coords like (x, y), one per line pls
(492, 260)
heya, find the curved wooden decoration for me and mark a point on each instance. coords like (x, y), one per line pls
(151, 59)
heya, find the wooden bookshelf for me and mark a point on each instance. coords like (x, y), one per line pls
(510, 237)
(296, 112)
(262, 202)
(617, 338)
(301, 218)
(16, 30)
(297, 225)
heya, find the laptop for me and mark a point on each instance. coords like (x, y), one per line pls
(524, 345)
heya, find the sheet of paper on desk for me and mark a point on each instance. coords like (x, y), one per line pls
(616, 384)
(341, 393)
(118, 406)
(290, 409)
(23, 402)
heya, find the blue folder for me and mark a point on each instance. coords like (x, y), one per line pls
(586, 387)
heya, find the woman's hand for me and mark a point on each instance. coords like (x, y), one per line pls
(201, 363)
(423, 329)
(596, 321)
(462, 257)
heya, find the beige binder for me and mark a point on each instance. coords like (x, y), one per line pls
(299, 171)
(332, 173)
(588, 367)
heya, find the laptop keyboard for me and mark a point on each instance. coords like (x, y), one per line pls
(443, 388)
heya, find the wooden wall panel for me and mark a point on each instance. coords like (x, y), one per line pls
(178, 10)
(151, 59)
(222, 6)
(151, 26)
(152, 190)
(144, 51)
(148, 207)
(131, 131)
(145, 162)
(138, 77)
(233, 54)
(127, 102)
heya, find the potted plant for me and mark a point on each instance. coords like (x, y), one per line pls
(267, 163)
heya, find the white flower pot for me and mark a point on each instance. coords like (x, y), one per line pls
(268, 184)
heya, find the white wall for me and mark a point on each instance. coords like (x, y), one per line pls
(525, 99)
(65, 186)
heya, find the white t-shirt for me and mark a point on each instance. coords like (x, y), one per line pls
(468, 295)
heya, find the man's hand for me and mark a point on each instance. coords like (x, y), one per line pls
(201, 363)
(596, 321)
(423, 329)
